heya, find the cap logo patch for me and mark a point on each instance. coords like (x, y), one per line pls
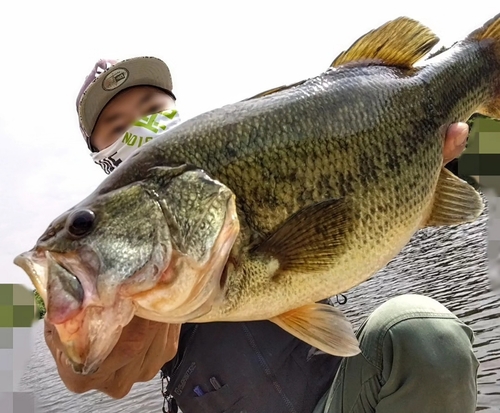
(115, 79)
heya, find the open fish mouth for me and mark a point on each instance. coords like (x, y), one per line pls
(61, 290)
(88, 328)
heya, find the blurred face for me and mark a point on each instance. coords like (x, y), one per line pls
(126, 108)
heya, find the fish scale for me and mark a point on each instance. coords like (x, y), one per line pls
(285, 156)
(318, 185)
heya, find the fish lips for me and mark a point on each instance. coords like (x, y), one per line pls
(87, 329)
(58, 278)
(33, 263)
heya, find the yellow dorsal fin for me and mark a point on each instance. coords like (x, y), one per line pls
(401, 42)
(490, 30)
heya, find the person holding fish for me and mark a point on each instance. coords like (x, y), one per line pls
(410, 355)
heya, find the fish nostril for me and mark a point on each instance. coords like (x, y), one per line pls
(51, 232)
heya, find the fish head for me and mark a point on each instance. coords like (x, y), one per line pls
(94, 259)
(203, 222)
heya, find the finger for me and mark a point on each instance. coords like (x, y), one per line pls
(114, 387)
(455, 141)
(78, 383)
(151, 332)
(133, 341)
(68, 377)
(162, 350)
(119, 371)
(174, 333)
(123, 380)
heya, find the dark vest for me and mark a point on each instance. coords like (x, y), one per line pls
(253, 367)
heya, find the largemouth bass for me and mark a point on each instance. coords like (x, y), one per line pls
(260, 209)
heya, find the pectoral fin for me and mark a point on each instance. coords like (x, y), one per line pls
(322, 326)
(310, 239)
(455, 202)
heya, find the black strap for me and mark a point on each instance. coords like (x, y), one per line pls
(169, 403)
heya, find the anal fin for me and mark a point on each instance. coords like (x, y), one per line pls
(456, 202)
(322, 326)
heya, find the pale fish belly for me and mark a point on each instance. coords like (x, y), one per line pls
(360, 262)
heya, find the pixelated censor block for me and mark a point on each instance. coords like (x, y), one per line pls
(481, 158)
(481, 161)
(17, 402)
(17, 314)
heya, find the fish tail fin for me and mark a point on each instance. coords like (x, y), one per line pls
(489, 35)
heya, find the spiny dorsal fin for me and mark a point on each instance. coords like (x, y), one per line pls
(310, 239)
(274, 90)
(455, 202)
(401, 42)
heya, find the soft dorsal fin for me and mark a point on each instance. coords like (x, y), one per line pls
(274, 90)
(400, 42)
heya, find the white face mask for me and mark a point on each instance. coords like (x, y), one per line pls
(141, 132)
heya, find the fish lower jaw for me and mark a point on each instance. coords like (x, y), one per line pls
(83, 370)
(89, 337)
(76, 363)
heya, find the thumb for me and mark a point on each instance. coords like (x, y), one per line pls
(455, 141)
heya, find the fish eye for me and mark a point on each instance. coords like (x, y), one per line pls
(80, 222)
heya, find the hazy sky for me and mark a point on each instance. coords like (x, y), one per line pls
(218, 51)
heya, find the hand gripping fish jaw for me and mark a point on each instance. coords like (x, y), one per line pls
(87, 326)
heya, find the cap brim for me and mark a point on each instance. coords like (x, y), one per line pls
(138, 71)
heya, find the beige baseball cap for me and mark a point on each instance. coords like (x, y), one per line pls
(108, 78)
